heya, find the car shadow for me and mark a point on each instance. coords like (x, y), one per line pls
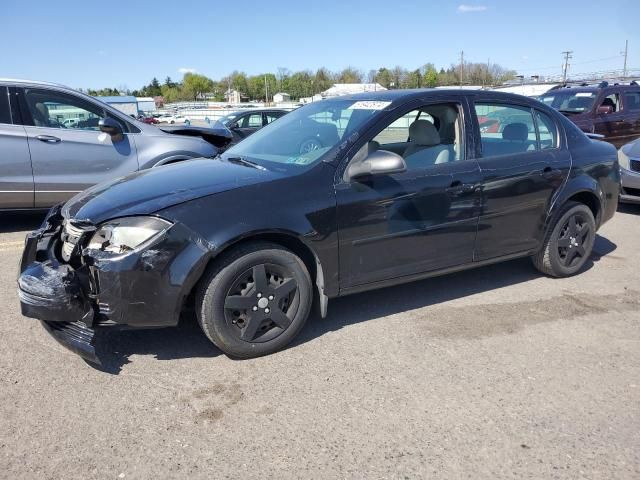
(366, 306)
(632, 208)
(187, 339)
(21, 221)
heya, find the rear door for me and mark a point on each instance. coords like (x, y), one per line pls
(631, 109)
(248, 124)
(270, 116)
(67, 159)
(523, 166)
(16, 177)
(612, 125)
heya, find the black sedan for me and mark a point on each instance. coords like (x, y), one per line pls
(242, 124)
(402, 185)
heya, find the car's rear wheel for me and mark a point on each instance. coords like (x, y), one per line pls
(310, 145)
(255, 301)
(568, 243)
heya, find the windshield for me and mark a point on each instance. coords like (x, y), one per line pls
(302, 137)
(227, 119)
(568, 101)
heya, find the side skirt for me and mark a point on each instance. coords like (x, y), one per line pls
(435, 273)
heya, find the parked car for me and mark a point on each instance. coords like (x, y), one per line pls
(243, 124)
(629, 158)
(495, 121)
(71, 122)
(250, 238)
(148, 120)
(171, 119)
(44, 162)
(612, 111)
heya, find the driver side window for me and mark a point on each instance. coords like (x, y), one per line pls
(427, 136)
(53, 109)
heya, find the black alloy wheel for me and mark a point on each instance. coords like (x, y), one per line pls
(575, 234)
(262, 303)
(254, 300)
(568, 242)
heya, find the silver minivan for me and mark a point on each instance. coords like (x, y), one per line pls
(56, 142)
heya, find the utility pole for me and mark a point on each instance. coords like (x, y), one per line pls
(626, 51)
(266, 91)
(567, 57)
(461, 66)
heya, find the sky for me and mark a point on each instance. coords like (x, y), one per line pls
(93, 44)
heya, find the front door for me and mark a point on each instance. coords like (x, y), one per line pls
(523, 164)
(16, 178)
(68, 152)
(417, 221)
(247, 124)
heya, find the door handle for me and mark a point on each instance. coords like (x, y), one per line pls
(459, 188)
(550, 173)
(48, 139)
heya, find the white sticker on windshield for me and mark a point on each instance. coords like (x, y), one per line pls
(547, 99)
(369, 105)
(584, 94)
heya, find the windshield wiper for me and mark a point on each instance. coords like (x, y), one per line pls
(245, 162)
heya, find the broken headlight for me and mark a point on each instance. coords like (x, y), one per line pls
(123, 235)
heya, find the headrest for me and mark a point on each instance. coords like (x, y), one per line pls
(516, 131)
(422, 132)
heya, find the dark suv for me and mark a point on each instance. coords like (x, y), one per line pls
(609, 110)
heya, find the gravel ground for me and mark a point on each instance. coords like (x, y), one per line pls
(492, 373)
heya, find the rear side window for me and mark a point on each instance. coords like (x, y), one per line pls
(632, 101)
(5, 113)
(547, 130)
(505, 129)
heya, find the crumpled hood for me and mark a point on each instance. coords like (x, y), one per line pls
(151, 190)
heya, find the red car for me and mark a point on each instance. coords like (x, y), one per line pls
(149, 120)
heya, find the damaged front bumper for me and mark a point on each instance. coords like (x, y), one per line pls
(94, 290)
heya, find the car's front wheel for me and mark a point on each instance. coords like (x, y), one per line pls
(568, 243)
(255, 300)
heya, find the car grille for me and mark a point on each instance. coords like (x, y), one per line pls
(72, 235)
(635, 165)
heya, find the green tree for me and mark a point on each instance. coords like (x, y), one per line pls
(430, 77)
(414, 79)
(384, 77)
(194, 85)
(349, 75)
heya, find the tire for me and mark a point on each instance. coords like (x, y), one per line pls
(309, 145)
(568, 242)
(255, 300)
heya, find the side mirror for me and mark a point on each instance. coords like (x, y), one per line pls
(234, 126)
(111, 127)
(605, 109)
(380, 162)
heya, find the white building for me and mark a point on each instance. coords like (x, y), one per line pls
(281, 97)
(339, 89)
(528, 90)
(146, 104)
(234, 96)
(125, 103)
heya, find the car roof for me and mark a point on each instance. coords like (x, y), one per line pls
(402, 96)
(30, 82)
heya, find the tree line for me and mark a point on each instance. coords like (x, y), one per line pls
(306, 83)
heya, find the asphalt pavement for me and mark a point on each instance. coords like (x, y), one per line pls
(493, 373)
